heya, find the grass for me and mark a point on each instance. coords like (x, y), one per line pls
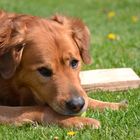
(125, 52)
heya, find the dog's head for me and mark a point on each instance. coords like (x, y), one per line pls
(45, 56)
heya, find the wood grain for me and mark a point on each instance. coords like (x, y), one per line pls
(109, 79)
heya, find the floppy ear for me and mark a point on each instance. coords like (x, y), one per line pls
(80, 34)
(12, 35)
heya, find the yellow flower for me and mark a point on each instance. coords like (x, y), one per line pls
(111, 14)
(112, 36)
(134, 19)
(56, 138)
(71, 133)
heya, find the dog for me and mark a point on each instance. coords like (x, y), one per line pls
(40, 61)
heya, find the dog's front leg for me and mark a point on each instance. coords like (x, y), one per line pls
(51, 117)
(20, 115)
(45, 115)
(96, 104)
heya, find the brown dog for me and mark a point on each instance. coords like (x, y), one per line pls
(40, 60)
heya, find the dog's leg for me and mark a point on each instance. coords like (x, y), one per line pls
(68, 121)
(45, 115)
(19, 115)
(96, 104)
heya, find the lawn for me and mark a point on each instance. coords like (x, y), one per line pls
(122, 18)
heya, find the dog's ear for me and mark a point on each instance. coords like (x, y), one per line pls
(12, 36)
(80, 34)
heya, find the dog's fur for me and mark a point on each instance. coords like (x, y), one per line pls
(28, 46)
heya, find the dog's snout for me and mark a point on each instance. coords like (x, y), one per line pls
(75, 104)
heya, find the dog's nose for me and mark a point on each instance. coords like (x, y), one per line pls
(75, 104)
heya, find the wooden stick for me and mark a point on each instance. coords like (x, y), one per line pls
(109, 79)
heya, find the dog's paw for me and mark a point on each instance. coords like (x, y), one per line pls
(80, 122)
(23, 121)
(123, 104)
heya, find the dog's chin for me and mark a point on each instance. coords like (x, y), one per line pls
(69, 113)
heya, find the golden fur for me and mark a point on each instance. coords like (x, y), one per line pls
(30, 44)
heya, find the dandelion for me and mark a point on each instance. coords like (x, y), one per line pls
(134, 19)
(111, 14)
(71, 133)
(112, 36)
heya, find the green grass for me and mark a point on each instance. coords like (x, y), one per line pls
(125, 52)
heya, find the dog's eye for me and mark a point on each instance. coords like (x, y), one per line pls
(74, 63)
(45, 71)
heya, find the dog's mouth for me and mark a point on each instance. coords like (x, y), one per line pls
(70, 111)
(63, 110)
